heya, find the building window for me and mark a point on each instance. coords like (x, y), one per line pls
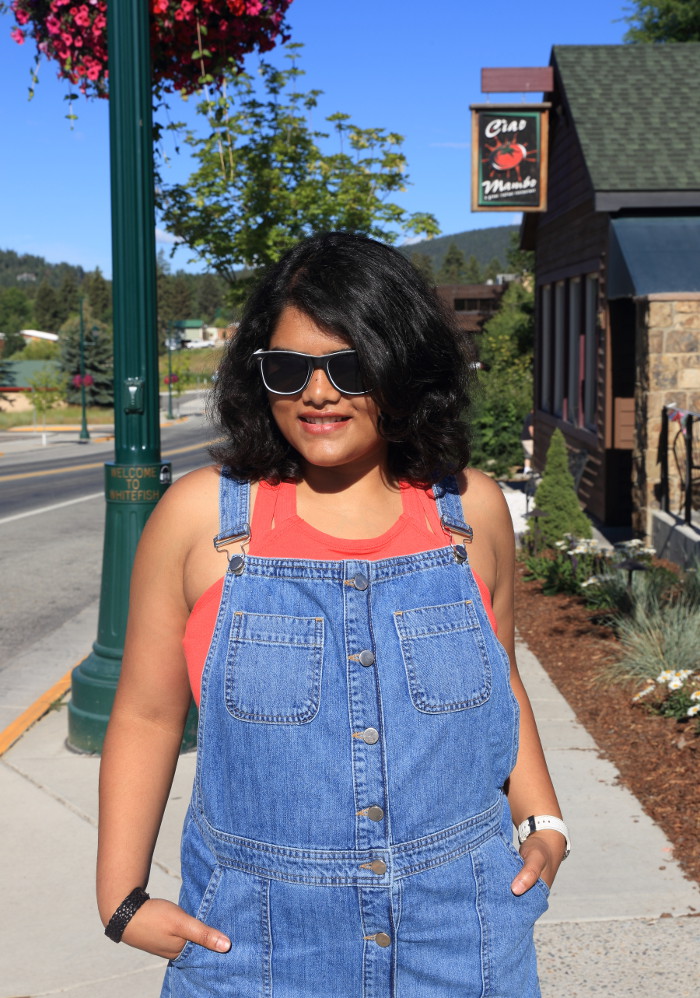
(559, 347)
(590, 380)
(573, 396)
(546, 355)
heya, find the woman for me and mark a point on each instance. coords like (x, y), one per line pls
(364, 737)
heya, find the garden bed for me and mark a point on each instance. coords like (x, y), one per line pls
(657, 757)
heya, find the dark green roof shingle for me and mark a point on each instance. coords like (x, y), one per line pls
(636, 109)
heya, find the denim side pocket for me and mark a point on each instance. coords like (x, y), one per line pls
(445, 657)
(273, 668)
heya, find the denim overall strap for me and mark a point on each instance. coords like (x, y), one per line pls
(234, 511)
(449, 504)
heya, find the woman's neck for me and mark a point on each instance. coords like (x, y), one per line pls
(349, 502)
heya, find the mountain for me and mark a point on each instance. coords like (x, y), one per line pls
(484, 244)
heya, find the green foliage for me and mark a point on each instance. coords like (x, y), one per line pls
(263, 180)
(38, 350)
(7, 380)
(15, 312)
(422, 262)
(505, 395)
(484, 244)
(657, 638)
(47, 388)
(98, 360)
(454, 266)
(14, 345)
(519, 261)
(99, 295)
(48, 314)
(664, 21)
(472, 271)
(68, 298)
(503, 400)
(556, 496)
(493, 268)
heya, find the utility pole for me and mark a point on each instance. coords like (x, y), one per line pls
(136, 478)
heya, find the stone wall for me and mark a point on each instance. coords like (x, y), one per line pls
(668, 370)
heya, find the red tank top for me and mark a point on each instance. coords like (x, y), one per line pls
(417, 529)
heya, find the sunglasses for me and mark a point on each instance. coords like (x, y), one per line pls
(286, 372)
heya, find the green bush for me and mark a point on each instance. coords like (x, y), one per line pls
(556, 496)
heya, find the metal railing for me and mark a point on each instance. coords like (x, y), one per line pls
(683, 447)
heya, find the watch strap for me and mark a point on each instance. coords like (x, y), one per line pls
(540, 823)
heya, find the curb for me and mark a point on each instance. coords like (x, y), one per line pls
(14, 731)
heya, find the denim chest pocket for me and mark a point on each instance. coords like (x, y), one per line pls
(273, 668)
(445, 656)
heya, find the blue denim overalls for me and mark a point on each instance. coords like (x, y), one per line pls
(348, 828)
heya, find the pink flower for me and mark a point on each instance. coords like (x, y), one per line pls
(17, 36)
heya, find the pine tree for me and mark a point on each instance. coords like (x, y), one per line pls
(99, 295)
(15, 311)
(209, 293)
(424, 263)
(556, 496)
(68, 298)
(472, 271)
(453, 266)
(47, 312)
(7, 379)
(493, 269)
(98, 360)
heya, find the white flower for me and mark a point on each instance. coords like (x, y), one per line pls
(664, 676)
(592, 581)
(675, 684)
(692, 711)
(695, 695)
(560, 544)
(650, 551)
(642, 693)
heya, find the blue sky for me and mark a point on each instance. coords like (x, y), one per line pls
(407, 66)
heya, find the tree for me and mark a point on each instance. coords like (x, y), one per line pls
(98, 360)
(13, 344)
(68, 298)
(519, 261)
(263, 181)
(209, 294)
(99, 295)
(664, 21)
(7, 380)
(46, 391)
(453, 269)
(472, 271)
(493, 268)
(422, 262)
(47, 310)
(556, 496)
(505, 397)
(15, 312)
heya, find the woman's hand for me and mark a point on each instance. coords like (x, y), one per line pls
(542, 852)
(162, 928)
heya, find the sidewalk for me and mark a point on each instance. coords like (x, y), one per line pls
(620, 920)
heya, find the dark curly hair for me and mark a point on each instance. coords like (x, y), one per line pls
(407, 344)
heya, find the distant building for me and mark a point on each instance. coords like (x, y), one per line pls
(473, 304)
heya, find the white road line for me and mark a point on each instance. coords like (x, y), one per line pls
(60, 505)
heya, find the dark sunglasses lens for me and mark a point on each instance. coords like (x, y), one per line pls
(285, 372)
(345, 373)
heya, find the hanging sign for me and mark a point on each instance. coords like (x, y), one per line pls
(509, 157)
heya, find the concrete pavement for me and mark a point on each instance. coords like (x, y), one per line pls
(623, 920)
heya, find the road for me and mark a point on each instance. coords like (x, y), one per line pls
(51, 532)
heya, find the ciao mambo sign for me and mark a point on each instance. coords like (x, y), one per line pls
(509, 157)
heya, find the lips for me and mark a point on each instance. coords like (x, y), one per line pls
(324, 419)
(322, 423)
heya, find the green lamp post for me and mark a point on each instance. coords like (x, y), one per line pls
(136, 478)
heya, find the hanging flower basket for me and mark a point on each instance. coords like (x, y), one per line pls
(192, 43)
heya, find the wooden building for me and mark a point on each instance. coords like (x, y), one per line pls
(473, 304)
(618, 266)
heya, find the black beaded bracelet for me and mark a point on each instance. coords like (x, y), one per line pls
(124, 913)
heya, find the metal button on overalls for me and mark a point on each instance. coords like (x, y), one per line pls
(278, 851)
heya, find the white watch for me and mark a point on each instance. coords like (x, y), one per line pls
(540, 822)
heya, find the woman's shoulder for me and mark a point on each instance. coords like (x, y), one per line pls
(484, 505)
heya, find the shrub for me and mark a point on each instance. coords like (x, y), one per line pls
(556, 496)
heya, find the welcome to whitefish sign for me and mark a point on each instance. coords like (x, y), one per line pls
(509, 157)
